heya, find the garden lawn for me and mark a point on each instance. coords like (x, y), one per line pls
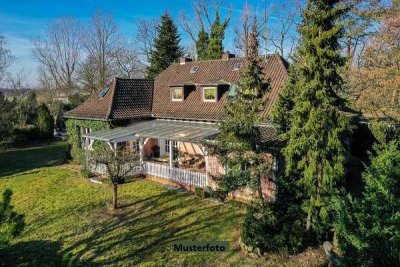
(68, 223)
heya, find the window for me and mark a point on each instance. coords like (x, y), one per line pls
(177, 94)
(194, 69)
(174, 145)
(104, 92)
(237, 66)
(210, 94)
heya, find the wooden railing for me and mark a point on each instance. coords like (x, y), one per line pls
(184, 176)
(198, 179)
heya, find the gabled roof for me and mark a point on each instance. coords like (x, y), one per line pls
(124, 99)
(217, 72)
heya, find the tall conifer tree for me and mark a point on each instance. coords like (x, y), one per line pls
(316, 128)
(217, 34)
(166, 47)
(202, 44)
(237, 145)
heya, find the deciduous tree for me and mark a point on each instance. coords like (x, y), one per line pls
(118, 164)
(59, 53)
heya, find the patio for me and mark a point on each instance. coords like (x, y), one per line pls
(168, 149)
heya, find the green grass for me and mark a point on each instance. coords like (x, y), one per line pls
(67, 220)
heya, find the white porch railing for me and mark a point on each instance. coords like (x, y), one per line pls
(198, 179)
(184, 176)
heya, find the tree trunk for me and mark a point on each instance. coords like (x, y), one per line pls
(309, 215)
(115, 197)
(260, 191)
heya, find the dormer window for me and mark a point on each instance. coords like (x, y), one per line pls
(177, 93)
(194, 69)
(210, 94)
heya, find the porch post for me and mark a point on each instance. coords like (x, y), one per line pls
(171, 153)
(141, 150)
(206, 159)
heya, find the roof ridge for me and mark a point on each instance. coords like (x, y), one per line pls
(221, 59)
(114, 87)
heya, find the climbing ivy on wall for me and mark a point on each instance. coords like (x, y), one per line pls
(74, 135)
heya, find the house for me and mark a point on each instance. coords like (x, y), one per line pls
(169, 119)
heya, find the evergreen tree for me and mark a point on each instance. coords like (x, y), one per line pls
(237, 144)
(217, 34)
(166, 47)
(315, 152)
(202, 44)
(369, 227)
(44, 122)
(11, 223)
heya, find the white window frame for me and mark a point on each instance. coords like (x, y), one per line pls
(215, 91)
(172, 93)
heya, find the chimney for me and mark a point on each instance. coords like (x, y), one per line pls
(226, 55)
(183, 60)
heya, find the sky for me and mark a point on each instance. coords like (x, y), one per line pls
(23, 20)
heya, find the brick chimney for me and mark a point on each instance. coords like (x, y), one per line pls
(226, 55)
(183, 60)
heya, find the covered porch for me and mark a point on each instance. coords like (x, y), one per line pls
(168, 149)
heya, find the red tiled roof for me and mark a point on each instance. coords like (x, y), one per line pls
(209, 72)
(125, 99)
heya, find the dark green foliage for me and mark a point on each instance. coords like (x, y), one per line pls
(200, 192)
(6, 118)
(368, 227)
(11, 223)
(317, 131)
(202, 44)
(253, 230)
(74, 136)
(273, 229)
(44, 122)
(384, 131)
(217, 33)
(237, 144)
(218, 194)
(166, 47)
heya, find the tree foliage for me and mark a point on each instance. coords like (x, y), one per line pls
(376, 81)
(11, 222)
(217, 34)
(202, 44)
(315, 128)
(44, 122)
(237, 144)
(167, 49)
(368, 227)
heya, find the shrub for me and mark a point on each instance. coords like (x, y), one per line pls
(253, 230)
(270, 229)
(44, 122)
(11, 223)
(218, 194)
(85, 173)
(368, 227)
(200, 192)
